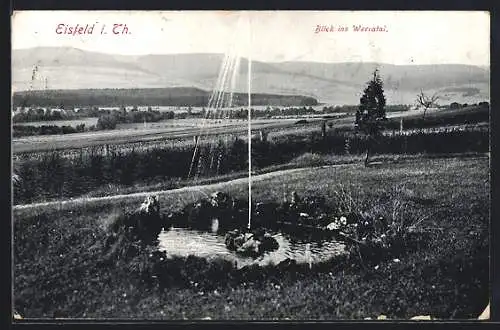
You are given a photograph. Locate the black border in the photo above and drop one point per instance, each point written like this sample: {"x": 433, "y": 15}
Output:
{"x": 253, "y": 5}
{"x": 494, "y": 179}
{"x": 5, "y": 196}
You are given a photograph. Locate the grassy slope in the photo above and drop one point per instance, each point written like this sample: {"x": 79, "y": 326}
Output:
{"x": 171, "y": 190}
{"x": 449, "y": 278}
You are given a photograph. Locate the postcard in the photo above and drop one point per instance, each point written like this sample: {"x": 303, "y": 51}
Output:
{"x": 250, "y": 165}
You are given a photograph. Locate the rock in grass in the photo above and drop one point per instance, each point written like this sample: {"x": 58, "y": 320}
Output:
{"x": 220, "y": 199}
{"x": 145, "y": 223}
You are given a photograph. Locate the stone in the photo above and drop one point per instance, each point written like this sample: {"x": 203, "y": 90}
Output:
{"x": 220, "y": 199}
{"x": 250, "y": 244}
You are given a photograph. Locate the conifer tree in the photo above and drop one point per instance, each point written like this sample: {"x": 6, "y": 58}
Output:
{"x": 371, "y": 111}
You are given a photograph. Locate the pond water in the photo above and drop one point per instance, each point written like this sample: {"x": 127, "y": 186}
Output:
{"x": 184, "y": 242}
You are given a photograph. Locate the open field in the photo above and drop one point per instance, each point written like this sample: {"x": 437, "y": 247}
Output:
{"x": 188, "y": 128}
{"x": 122, "y": 136}
{"x": 446, "y": 278}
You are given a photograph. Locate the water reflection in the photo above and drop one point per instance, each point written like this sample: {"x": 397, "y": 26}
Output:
{"x": 184, "y": 242}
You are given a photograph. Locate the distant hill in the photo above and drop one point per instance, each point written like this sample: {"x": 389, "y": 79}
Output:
{"x": 334, "y": 83}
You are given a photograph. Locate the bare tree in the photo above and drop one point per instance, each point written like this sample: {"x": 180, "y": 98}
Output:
{"x": 426, "y": 101}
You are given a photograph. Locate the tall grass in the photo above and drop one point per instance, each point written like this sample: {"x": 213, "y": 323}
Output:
{"x": 49, "y": 175}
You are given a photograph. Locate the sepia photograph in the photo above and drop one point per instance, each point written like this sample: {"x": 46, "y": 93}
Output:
{"x": 250, "y": 165}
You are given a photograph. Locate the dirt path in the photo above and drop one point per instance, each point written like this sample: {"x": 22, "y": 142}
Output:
{"x": 212, "y": 186}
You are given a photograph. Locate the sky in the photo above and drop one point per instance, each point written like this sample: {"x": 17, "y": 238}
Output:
{"x": 411, "y": 37}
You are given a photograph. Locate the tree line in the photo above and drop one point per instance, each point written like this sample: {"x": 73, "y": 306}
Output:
{"x": 27, "y": 130}
{"x": 178, "y": 96}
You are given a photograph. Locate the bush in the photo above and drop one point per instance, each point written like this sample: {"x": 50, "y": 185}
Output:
{"x": 384, "y": 230}
{"x": 68, "y": 130}
{"x": 107, "y": 121}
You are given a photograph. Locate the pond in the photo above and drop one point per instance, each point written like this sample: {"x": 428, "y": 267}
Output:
{"x": 184, "y": 242}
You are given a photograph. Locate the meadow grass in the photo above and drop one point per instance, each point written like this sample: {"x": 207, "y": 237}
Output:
{"x": 53, "y": 176}
{"x": 60, "y": 270}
